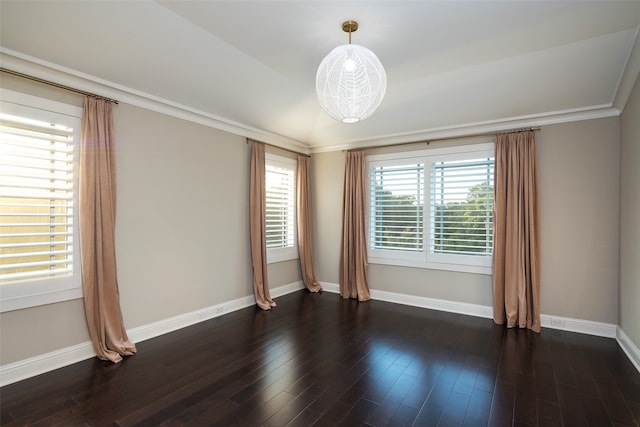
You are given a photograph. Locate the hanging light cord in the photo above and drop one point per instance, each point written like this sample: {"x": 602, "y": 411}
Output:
{"x": 349, "y": 27}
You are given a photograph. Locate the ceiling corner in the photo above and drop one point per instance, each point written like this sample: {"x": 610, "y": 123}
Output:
{"x": 629, "y": 74}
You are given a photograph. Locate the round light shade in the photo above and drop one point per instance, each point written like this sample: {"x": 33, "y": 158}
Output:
{"x": 351, "y": 83}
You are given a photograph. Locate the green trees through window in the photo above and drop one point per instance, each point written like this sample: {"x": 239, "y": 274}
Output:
{"x": 460, "y": 207}
{"x": 467, "y": 226}
{"x": 398, "y": 222}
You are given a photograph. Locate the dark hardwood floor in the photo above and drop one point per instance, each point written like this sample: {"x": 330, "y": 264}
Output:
{"x": 320, "y": 360}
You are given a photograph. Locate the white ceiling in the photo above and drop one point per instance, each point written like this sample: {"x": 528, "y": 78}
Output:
{"x": 452, "y": 66}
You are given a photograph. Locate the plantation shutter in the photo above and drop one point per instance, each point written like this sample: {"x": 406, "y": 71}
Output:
{"x": 280, "y": 206}
{"x": 397, "y": 207}
{"x": 462, "y": 207}
{"x": 36, "y": 199}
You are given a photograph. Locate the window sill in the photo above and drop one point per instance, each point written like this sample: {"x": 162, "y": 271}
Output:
{"x": 34, "y": 300}
{"x": 462, "y": 268}
{"x": 280, "y": 255}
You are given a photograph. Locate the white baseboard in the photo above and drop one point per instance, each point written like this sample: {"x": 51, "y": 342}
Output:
{"x": 547, "y": 321}
{"x": 630, "y": 349}
{"x": 37, "y": 365}
{"x": 27, "y": 368}
{"x": 330, "y": 287}
{"x": 286, "y": 289}
{"x": 171, "y": 324}
{"x": 581, "y": 326}
{"x": 423, "y": 302}
{"x": 435, "y": 304}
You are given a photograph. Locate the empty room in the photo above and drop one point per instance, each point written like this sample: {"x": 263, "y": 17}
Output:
{"x": 318, "y": 213}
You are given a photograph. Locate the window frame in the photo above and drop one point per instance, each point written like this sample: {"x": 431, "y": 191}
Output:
{"x": 289, "y": 252}
{"x": 17, "y": 295}
{"x": 410, "y": 257}
{"x": 426, "y": 258}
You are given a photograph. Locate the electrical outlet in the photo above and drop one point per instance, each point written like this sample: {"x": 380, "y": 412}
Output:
{"x": 219, "y": 309}
{"x": 560, "y": 323}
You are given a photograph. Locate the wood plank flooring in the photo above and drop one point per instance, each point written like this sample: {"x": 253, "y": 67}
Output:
{"x": 318, "y": 360}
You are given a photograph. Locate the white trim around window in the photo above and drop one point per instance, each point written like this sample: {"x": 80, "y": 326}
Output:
{"x": 402, "y": 207}
{"x": 281, "y": 227}
{"x": 18, "y": 289}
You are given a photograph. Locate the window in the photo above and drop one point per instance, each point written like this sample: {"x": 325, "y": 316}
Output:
{"x": 433, "y": 208}
{"x": 397, "y": 207}
{"x": 280, "y": 179}
{"x": 39, "y": 253}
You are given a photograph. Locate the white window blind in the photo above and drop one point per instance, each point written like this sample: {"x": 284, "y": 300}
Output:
{"x": 397, "y": 207}
{"x": 36, "y": 199}
{"x": 280, "y": 204}
{"x": 462, "y": 207}
{"x": 432, "y": 208}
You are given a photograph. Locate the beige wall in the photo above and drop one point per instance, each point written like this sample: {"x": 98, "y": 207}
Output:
{"x": 578, "y": 177}
{"x": 182, "y": 229}
{"x": 578, "y": 165}
{"x": 181, "y": 220}
{"x": 629, "y": 215}
{"x": 38, "y": 330}
{"x": 31, "y": 332}
{"x": 326, "y": 175}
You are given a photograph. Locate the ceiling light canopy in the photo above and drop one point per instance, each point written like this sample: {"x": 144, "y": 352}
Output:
{"x": 350, "y": 81}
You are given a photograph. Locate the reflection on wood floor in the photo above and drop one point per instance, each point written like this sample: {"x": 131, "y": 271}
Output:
{"x": 319, "y": 360}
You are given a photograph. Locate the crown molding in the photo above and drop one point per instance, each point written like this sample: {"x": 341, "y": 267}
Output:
{"x": 629, "y": 74}
{"x": 479, "y": 128}
{"x": 49, "y": 71}
{"x": 36, "y": 67}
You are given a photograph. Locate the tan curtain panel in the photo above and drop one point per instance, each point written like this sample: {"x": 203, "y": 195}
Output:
{"x": 97, "y": 195}
{"x": 257, "y": 214}
{"x": 516, "y": 254}
{"x": 305, "y": 240}
{"x": 353, "y": 249}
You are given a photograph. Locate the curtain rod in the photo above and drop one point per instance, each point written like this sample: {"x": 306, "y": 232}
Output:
{"x": 281, "y": 148}
{"x": 428, "y": 141}
{"x": 58, "y": 85}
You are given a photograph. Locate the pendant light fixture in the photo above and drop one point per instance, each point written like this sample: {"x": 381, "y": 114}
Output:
{"x": 350, "y": 81}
